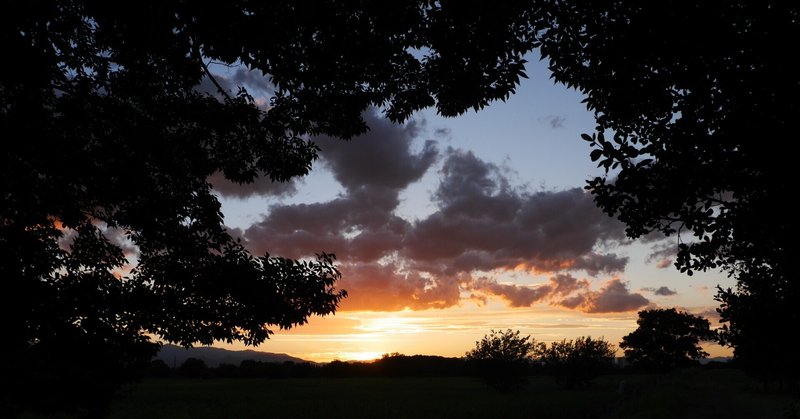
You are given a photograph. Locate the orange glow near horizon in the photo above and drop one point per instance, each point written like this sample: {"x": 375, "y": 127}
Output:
{"x": 360, "y": 356}
{"x": 366, "y": 335}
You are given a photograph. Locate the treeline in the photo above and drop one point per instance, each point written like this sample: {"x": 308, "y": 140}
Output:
{"x": 390, "y": 365}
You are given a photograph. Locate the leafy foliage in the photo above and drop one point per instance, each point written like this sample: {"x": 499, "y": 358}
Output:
{"x": 576, "y": 362}
{"x": 110, "y": 143}
{"x": 685, "y": 115}
{"x": 667, "y": 338}
{"x": 502, "y": 358}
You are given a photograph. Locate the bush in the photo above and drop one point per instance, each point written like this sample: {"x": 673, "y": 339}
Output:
{"x": 193, "y": 368}
{"x": 502, "y": 359}
{"x": 576, "y": 363}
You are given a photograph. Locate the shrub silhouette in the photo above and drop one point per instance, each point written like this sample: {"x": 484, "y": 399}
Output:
{"x": 502, "y": 359}
{"x": 575, "y": 363}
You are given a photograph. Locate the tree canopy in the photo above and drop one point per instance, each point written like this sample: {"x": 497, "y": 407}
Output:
{"x": 110, "y": 144}
{"x": 502, "y": 358}
{"x": 575, "y": 363}
{"x": 692, "y": 100}
{"x": 667, "y": 338}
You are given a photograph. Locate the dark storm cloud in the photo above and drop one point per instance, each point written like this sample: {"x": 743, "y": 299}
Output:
{"x": 482, "y": 224}
{"x": 662, "y": 291}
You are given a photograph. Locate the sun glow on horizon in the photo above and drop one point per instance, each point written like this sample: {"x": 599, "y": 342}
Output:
{"x": 359, "y": 356}
{"x": 367, "y": 335}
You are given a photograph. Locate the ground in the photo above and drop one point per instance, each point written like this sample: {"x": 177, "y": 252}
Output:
{"x": 698, "y": 393}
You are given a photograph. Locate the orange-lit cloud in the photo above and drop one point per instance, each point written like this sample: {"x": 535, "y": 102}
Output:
{"x": 376, "y": 287}
{"x": 662, "y": 253}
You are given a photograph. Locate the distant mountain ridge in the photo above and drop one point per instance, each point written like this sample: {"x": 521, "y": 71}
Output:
{"x": 175, "y": 355}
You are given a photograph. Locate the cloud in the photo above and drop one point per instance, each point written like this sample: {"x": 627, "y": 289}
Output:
{"x": 664, "y": 263}
{"x": 359, "y": 225}
{"x": 594, "y": 263}
{"x": 662, "y": 253}
{"x": 709, "y": 313}
{"x": 260, "y": 186}
{"x": 522, "y": 296}
{"x": 207, "y": 86}
{"x": 376, "y": 287}
{"x": 555, "y": 121}
{"x": 567, "y": 291}
{"x": 663, "y": 291}
{"x": 613, "y": 297}
{"x": 515, "y": 295}
{"x": 381, "y": 159}
{"x": 254, "y": 81}
{"x": 482, "y": 224}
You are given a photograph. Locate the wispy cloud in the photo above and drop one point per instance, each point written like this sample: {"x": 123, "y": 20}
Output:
{"x": 662, "y": 291}
{"x": 554, "y": 121}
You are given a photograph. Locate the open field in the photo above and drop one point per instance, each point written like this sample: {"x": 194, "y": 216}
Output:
{"x": 685, "y": 394}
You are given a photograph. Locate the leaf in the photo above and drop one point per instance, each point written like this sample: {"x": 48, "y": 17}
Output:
{"x": 596, "y": 154}
{"x": 587, "y": 137}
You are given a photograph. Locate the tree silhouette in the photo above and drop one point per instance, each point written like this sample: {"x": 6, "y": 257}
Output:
{"x": 502, "y": 359}
{"x": 158, "y": 369}
{"x": 667, "y": 338}
{"x": 575, "y": 363}
{"x": 690, "y": 100}
{"x": 109, "y": 142}
{"x": 193, "y": 368}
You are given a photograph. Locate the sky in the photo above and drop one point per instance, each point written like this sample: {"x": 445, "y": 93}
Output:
{"x": 447, "y": 228}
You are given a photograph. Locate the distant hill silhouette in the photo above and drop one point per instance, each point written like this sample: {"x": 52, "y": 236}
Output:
{"x": 175, "y": 355}
{"x": 715, "y": 359}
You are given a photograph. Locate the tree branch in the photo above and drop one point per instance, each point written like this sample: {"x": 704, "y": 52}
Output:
{"x": 199, "y": 57}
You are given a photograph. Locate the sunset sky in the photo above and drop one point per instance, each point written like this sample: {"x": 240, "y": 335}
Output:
{"x": 446, "y": 228}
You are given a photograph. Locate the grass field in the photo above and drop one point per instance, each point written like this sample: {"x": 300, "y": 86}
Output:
{"x": 685, "y": 394}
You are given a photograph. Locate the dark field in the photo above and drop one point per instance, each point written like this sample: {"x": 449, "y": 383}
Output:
{"x": 685, "y": 394}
